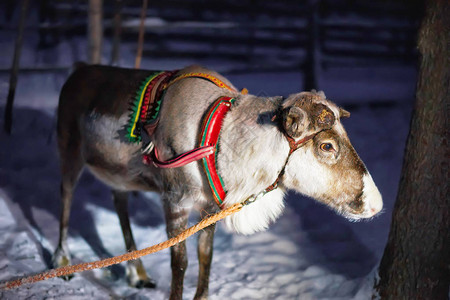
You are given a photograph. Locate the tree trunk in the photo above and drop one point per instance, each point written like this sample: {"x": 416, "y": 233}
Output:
{"x": 311, "y": 64}
{"x": 141, "y": 34}
{"x": 117, "y": 32}
{"x": 15, "y": 67}
{"x": 415, "y": 264}
{"x": 95, "y": 31}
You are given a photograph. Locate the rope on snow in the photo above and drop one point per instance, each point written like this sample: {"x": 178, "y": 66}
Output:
{"x": 67, "y": 270}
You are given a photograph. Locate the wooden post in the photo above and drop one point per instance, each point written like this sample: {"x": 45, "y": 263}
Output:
{"x": 141, "y": 34}
{"x": 117, "y": 32}
{"x": 95, "y": 31}
{"x": 15, "y": 67}
{"x": 311, "y": 65}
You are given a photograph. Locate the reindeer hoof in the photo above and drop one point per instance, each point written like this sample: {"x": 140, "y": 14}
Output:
{"x": 67, "y": 277}
{"x": 137, "y": 277}
{"x": 61, "y": 260}
{"x": 145, "y": 284}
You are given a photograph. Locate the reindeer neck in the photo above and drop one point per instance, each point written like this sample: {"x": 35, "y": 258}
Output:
{"x": 252, "y": 154}
{"x": 252, "y": 148}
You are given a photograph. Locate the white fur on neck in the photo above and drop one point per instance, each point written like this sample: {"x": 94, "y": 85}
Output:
{"x": 258, "y": 215}
{"x": 253, "y": 162}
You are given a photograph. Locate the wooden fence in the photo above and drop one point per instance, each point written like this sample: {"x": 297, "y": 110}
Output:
{"x": 281, "y": 35}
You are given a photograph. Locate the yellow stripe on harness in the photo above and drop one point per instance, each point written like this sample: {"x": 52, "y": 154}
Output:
{"x": 206, "y": 76}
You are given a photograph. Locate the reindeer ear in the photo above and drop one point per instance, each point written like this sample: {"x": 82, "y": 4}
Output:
{"x": 343, "y": 113}
{"x": 295, "y": 121}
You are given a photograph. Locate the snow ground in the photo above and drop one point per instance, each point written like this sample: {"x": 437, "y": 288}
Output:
{"x": 309, "y": 253}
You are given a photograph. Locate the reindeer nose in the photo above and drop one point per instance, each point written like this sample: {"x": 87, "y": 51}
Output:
{"x": 372, "y": 196}
{"x": 374, "y": 211}
{"x": 377, "y": 207}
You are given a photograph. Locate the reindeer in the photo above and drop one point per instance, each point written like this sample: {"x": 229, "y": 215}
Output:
{"x": 267, "y": 146}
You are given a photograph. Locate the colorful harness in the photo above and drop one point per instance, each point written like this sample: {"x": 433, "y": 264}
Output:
{"x": 207, "y": 150}
{"x": 146, "y": 105}
{"x": 145, "y": 114}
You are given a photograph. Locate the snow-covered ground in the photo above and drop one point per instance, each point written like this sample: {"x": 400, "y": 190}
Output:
{"x": 309, "y": 253}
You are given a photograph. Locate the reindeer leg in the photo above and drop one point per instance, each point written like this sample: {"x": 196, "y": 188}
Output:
{"x": 205, "y": 251}
{"x": 71, "y": 166}
{"x": 176, "y": 220}
{"x": 137, "y": 276}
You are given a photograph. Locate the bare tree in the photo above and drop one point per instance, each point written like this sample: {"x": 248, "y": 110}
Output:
{"x": 415, "y": 264}
{"x": 95, "y": 31}
{"x": 15, "y": 67}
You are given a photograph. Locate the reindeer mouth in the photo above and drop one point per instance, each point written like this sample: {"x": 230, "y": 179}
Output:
{"x": 357, "y": 205}
{"x": 357, "y": 210}
{"x": 365, "y": 215}
{"x": 367, "y": 204}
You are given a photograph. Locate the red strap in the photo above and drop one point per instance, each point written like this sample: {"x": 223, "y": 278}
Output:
{"x": 212, "y": 124}
{"x": 293, "y": 145}
{"x": 180, "y": 160}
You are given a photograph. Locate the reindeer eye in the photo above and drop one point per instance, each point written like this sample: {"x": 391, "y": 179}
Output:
{"x": 327, "y": 147}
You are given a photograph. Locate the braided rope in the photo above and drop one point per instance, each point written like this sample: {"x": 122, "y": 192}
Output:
{"x": 124, "y": 257}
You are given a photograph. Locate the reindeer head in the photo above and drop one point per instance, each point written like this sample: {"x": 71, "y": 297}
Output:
{"x": 327, "y": 167}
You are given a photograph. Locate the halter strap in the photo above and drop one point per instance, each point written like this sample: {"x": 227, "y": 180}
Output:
{"x": 293, "y": 145}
